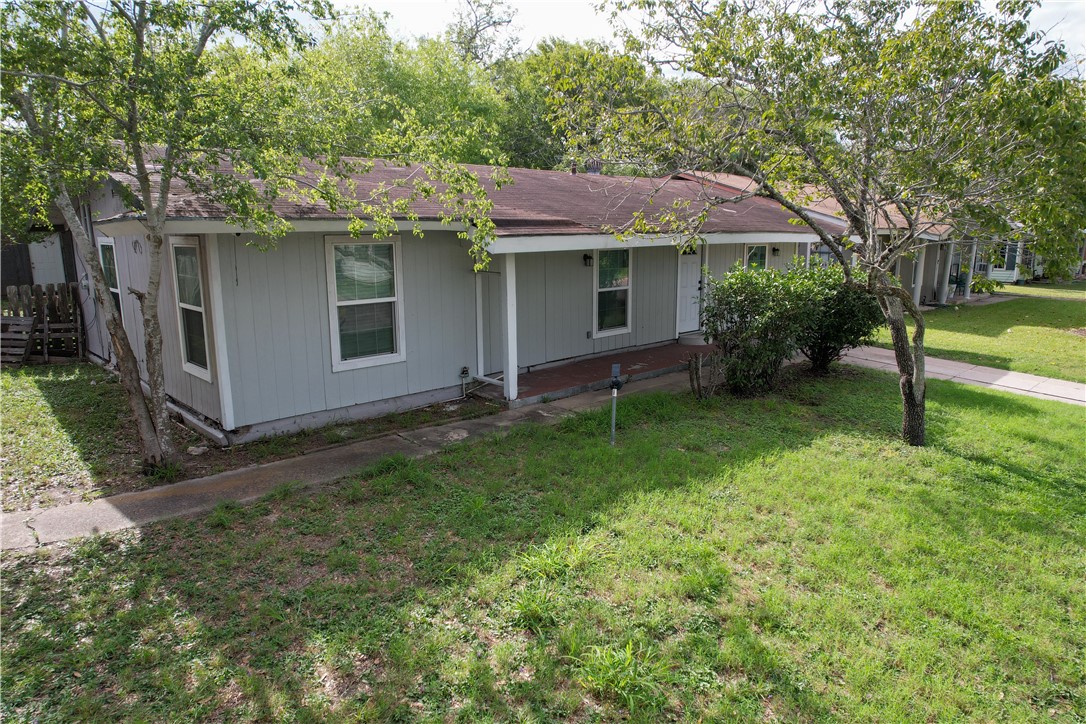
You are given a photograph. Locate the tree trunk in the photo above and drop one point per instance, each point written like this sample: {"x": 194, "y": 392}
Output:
{"x": 910, "y": 364}
{"x": 127, "y": 365}
{"x": 152, "y": 328}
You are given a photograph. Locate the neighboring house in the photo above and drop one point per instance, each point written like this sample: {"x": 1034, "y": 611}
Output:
{"x": 49, "y": 261}
{"x": 325, "y": 326}
{"x": 930, "y": 274}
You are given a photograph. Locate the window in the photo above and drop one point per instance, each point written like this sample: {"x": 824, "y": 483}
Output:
{"x": 107, "y": 254}
{"x": 821, "y": 255}
{"x": 612, "y": 292}
{"x": 756, "y": 256}
{"x": 191, "y": 319}
{"x": 365, "y": 301}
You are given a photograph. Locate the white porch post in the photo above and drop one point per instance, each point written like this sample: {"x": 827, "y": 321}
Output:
{"x": 944, "y": 273}
{"x": 969, "y": 273}
{"x": 918, "y": 274}
{"x": 1018, "y": 259}
{"x": 479, "y": 343}
{"x": 509, "y": 323}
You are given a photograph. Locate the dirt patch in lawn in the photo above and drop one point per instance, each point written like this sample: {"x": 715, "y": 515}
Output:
{"x": 1081, "y": 331}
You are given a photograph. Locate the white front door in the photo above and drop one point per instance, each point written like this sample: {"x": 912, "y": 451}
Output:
{"x": 689, "y": 312}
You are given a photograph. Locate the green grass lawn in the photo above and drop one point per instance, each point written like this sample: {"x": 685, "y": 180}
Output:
{"x": 64, "y": 433}
{"x": 1023, "y": 335}
{"x": 742, "y": 559}
{"x": 68, "y": 436}
{"x": 1065, "y": 290}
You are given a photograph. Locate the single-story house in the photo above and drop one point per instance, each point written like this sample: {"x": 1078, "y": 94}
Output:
{"x": 930, "y": 275}
{"x": 324, "y": 326}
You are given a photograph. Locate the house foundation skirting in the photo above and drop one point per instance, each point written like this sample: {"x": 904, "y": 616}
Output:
{"x": 350, "y": 413}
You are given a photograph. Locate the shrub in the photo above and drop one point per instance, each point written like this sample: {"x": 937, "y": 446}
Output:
{"x": 838, "y": 317}
{"x": 754, "y": 318}
{"x": 984, "y": 285}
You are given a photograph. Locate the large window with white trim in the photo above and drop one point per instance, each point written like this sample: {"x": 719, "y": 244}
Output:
{"x": 365, "y": 301}
{"x": 612, "y": 292}
{"x": 107, "y": 254}
{"x": 191, "y": 317}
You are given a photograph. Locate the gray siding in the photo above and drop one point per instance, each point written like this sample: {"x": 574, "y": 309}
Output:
{"x": 554, "y": 306}
{"x": 276, "y": 312}
{"x": 132, "y": 268}
{"x": 722, "y": 257}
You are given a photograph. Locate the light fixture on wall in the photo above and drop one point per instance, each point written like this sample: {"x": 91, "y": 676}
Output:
{"x": 587, "y": 260}
{"x": 776, "y": 251}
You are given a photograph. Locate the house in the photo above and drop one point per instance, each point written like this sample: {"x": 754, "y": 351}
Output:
{"x": 325, "y": 327}
{"x": 930, "y": 275}
{"x": 48, "y": 261}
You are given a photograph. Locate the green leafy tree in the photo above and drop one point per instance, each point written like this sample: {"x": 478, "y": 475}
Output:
{"x": 906, "y": 114}
{"x": 139, "y": 90}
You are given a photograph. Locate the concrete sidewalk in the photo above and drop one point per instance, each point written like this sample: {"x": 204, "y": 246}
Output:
{"x": 28, "y": 529}
{"x": 969, "y": 374}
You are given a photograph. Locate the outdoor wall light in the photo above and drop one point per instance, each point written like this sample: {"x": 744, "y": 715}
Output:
{"x": 776, "y": 251}
{"x": 587, "y": 260}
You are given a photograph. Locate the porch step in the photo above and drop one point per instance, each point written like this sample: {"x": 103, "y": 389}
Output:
{"x": 692, "y": 338}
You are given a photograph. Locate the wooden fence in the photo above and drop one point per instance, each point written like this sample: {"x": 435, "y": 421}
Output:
{"x": 58, "y": 327}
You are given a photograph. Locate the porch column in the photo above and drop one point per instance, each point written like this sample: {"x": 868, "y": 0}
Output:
{"x": 969, "y": 273}
{"x": 509, "y": 323}
{"x": 944, "y": 273}
{"x": 918, "y": 274}
{"x": 479, "y": 346}
{"x": 1018, "y": 259}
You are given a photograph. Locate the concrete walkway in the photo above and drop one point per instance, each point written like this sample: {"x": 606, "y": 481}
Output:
{"x": 28, "y": 529}
{"x": 969, "y": 374}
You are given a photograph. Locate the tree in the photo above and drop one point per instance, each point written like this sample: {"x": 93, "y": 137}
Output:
{"x": 907, "y": 114}
{"x": 477, "y": 33}
{"x": 129, "y": 90}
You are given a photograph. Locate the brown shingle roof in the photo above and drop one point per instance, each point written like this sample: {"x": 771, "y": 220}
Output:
{"x": 537, "y": 203}
{"x": 817, "y": 200}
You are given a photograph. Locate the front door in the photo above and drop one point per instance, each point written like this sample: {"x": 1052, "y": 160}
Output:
{"x": 689, "y": 314}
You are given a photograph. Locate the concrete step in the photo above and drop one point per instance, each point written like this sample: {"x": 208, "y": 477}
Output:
{"x": 692, "y": 338}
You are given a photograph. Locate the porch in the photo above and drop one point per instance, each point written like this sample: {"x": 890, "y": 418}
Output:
{"x": 560, "y": 380}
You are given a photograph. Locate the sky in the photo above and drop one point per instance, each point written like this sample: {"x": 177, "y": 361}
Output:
{"x": 578, "y": 19}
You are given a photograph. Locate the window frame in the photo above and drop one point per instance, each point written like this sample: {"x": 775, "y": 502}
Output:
{"x": 109, "y": 241}
{"x": 597, "y": 333}
{"x": 191, "y": 242}
{"x": 746, "y": 255}
{"x": 400, "y": 354}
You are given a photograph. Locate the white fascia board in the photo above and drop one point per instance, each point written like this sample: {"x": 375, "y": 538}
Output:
{"x": 589, "y": 242}
{"x": 135, "y": 227}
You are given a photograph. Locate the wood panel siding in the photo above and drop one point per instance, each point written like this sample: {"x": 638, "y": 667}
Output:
{"x": 554, "y": 306}
{"x": 276, "y": 310}
{"x": 132, "y": 267}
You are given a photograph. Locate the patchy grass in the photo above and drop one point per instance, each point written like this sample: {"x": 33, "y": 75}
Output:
{"x": 1044, "y": 337}
{"x": 65, "y": 434}
{"x": 68, "y": 436}
{"x": 1075, "y": 291}
{"x": 742, "y": 559}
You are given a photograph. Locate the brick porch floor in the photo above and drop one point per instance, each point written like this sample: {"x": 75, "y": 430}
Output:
{"x": 579, "y": 376}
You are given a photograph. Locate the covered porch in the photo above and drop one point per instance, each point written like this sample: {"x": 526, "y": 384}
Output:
{"x": 565, "y": 379}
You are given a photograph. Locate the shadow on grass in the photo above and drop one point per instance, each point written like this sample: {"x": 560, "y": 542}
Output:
{"x": 449, "y": 588}
{"x": 80, "y": 431}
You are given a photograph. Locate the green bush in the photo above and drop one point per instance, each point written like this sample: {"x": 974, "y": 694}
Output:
{"x": 754, "y": 318}
{"x": 838, "y": 318}
{"x": 984, "y": 285}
